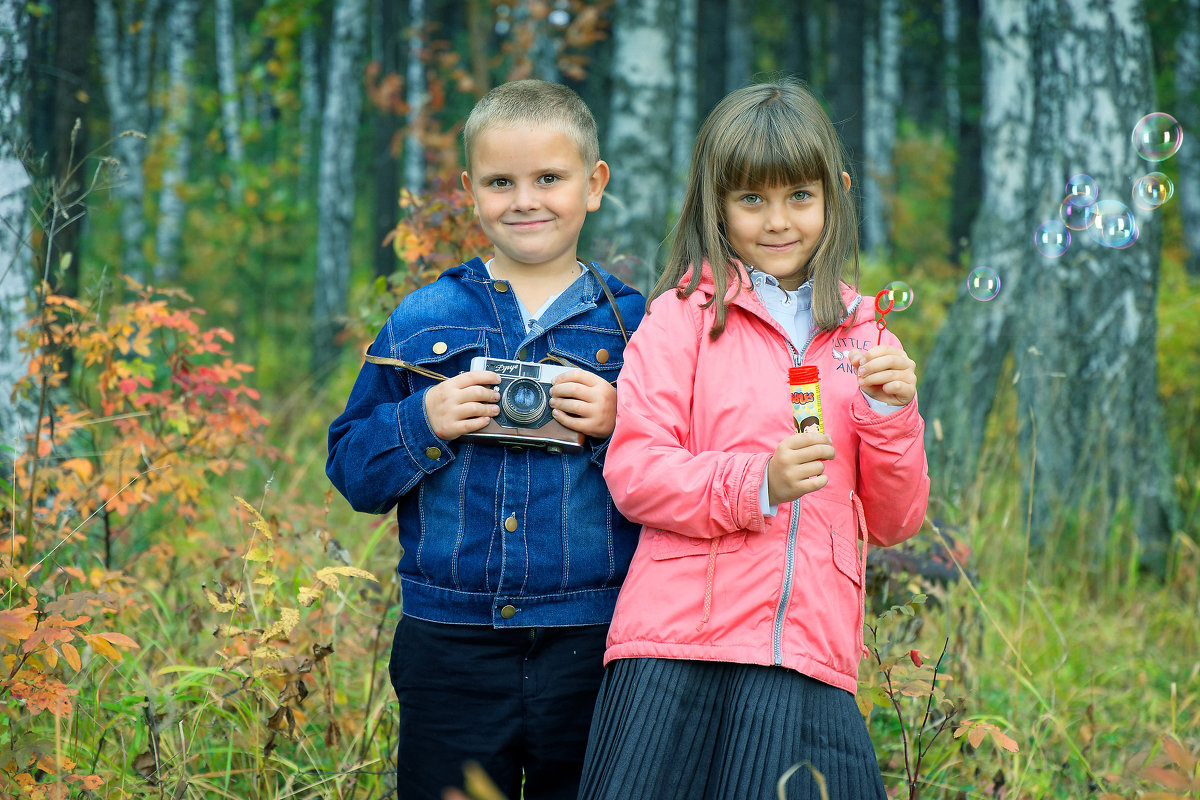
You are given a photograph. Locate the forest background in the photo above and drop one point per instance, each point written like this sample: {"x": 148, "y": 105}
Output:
{"x": 207, "y": 209}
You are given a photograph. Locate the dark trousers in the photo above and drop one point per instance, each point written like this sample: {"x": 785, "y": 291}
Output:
{"x": 518, "y": 701}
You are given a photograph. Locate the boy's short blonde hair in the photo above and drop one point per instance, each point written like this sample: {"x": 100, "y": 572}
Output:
{"x": 538, "y": 103}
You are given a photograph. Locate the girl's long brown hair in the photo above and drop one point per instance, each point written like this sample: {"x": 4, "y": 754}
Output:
{"x": 768, "y": 134}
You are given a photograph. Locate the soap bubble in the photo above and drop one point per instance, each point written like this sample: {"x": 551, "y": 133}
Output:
{"x": 1115, "y": 225}
{"x": 1157, "y": 136}
{"x": 1052, "y": 238}
{"x": 899, "y": 292}
{"x": 1075, "y": 217}
{"x": 983, "y": 283}
{"x": 1082, "y": 190}
{"x": 1152, "y": 190}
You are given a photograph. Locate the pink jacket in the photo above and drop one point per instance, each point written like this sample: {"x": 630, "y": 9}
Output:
{"x": 697, "y": 420}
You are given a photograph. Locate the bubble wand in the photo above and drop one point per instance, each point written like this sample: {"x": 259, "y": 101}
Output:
{"x": 881, "y": 323}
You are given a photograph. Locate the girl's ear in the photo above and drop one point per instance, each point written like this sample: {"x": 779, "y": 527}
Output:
{"x": 846, "y": 180}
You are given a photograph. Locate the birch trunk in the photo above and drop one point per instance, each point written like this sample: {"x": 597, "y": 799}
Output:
{"x": 951, "y": 98}
{"x": 16, "y": 262}
{"x": 310, "y": 105}
{"x": 126, "y": 45}
{"x": 181, "y": 32}
{"x": 1187, "y": 94}
{"x": 739, "y": 49}
{"x": 1081, "y": 328}
{"x": 684, "y": 124}
{"x": 227, "y": 84}
{"x": 414, "y": 87}
{"x": 336, "y": 191}
{"x": 881, "y": 71}
{"x": 634, "y": 214}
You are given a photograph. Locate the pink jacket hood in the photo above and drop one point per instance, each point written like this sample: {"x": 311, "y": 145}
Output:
{"x": 697, "y": 421}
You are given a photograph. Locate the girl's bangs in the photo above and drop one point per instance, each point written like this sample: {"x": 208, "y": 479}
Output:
{"x": 770, "y": 152}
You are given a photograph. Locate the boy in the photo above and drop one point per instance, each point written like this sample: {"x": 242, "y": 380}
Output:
{"x": 512, "y": 553}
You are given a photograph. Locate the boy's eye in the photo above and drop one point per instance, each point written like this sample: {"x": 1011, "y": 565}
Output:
{"x": 500, "y": 183}
{"x": 546, "y": 180}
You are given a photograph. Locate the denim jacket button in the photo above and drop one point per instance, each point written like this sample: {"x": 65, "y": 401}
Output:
{"x": 433, "y": 453}
{"x": 602, "y": 356}
{"x": 501, "y": 286}
{"x": 439, "y": 348}
{"x": 510, "y": 524}
{"x": 508, "y": 612}
{"x": 522, "y": 354}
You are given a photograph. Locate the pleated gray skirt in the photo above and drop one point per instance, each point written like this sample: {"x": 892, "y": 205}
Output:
{"x": 687, "y": 730}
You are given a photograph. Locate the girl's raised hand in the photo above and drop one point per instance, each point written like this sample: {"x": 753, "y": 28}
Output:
{"x": 886, "y": 374}
{"x": 798, "y": 466}
{"x": 585, "y": 403}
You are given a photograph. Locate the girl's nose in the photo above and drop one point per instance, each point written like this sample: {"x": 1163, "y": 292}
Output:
{"x": 777, "y": 219}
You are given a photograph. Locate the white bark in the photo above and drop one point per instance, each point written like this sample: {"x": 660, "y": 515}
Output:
{"x": 125, "y": 42}
{"x": 336, "y": 191}
{"x": 683, "y": 128}
{"x": 1187, "y": 93}
{"x": 15, "y": 254}
{"x": 227, "y": 72}
{"x": 739, "y": 48}
{"x": 414, "y": 89}
{"x": 310, "y": 102}
{"x": 953, "y": 101}
{"x": 181, "y": 33}
{"x": 634, "y": 213}
{"x": 881, "y": 95}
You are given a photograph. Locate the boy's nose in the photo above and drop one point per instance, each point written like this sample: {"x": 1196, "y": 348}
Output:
{"x": 525, "y": 197}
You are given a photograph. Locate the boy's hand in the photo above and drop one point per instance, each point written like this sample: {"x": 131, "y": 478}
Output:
{"x": 462, "y": 404}
{"x": 585, "y": 403}
{"x": 797, "y": 467}
{"x": 885, "y": 373}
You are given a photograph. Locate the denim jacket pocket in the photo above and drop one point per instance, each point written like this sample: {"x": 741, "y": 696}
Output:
{"x": 447, "y": 351}
{"x": 595, "y": 349}
{"x": 668, "y": 544}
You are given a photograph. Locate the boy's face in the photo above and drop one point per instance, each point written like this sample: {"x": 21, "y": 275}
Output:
{"x": 532, "y": 191}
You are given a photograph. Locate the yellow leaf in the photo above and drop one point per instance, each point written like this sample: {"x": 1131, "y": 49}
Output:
{"x": 308, "y": 595}
{"x": 82, "y": 467}
{"x": 119, "y": 639}
{"x": 289, "y": 618}
{"x": 328, "y": 575}
{"x": 103, "y": 648}
{"x": 72, "y": 656}
{"x": 258, "y": 553}
{"x": 50, "y": 655}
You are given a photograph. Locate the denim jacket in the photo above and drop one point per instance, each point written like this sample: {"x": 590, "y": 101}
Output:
{"x": 491, "y": 534}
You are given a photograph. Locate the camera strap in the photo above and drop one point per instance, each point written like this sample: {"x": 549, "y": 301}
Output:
{"x": 395, "y": 362}
{"x": 612, "y": 300}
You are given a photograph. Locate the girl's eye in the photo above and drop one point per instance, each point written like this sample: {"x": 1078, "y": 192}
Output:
{"x": 751, "y": 199}
{"x": 801, "y": 196}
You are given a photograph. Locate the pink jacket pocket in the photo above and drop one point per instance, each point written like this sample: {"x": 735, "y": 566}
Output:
{"x": 668, "y": 544}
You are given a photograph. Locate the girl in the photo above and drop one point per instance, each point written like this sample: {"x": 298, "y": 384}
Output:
{"x": 734, "y": 651}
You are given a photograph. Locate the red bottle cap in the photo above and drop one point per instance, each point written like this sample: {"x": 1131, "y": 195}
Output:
{"x": 801, "y": 375}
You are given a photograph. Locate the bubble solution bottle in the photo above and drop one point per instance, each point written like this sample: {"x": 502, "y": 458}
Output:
{"x": 806, "y": 397}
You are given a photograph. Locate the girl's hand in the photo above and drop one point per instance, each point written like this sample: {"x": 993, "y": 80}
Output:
{"x": 462, "y": 404}
{"x": 797, "y": 467}
{"x": 886, "y": 374}
{"x": 585, "y": 403}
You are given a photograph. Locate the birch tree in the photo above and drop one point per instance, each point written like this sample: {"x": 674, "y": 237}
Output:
{"x": 1080, "y": 328}
{"x": 15, "y": 254}
{"x": 634, "y": 214}
{"x": 684, "y": 124}
{"x": 335, "y": 189}
{"x": 227, "y": 83}
{"x": 125, "y": 39}
{"x": 1187, "y": 93}
{"x": 181, "y": 46}
{"x": 881, "y": 95}
{"x": 414, "y": 87}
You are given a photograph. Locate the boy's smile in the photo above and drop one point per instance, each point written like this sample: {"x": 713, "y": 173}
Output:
{"x": 532, "y": 191}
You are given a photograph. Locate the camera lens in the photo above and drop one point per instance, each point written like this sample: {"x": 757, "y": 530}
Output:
{"x": 523, "y": 400}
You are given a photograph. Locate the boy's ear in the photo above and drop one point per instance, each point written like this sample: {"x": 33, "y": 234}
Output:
{"x": 596, "y": 183}
{"x": 845, "y": 180}
{"x": 466, "y": 180}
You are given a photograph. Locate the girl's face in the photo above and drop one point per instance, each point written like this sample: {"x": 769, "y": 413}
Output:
{"x": 776, "y": 229}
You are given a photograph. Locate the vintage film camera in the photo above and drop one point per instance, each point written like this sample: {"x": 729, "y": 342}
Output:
{"x": 525, "y": 417}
